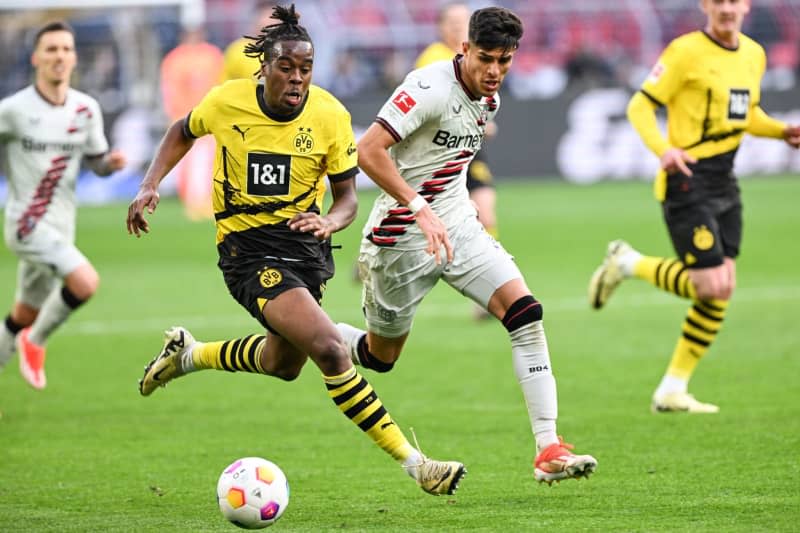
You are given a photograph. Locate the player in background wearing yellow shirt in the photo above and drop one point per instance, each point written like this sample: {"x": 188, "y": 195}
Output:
{"x": 276, "y": 140}
{"x": 237, "y": 64}
{"x": 709, "y": 81}
{"x": 453, "y": 26}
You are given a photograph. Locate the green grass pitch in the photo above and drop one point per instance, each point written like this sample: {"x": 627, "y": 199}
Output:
{"x": 89, "y": 454}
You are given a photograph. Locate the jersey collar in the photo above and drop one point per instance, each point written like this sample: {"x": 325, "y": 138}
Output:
{"x": 274, "y": 116}
{"x": 50, "y": 102}
{"x": 729, "y": 48}
{"x": 457, "y": 69}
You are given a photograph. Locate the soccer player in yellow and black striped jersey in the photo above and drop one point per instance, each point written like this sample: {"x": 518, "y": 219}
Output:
{"x": 709, "y": 82}
{"x": 238, "y": 65}
{"x": 276, "y": 140}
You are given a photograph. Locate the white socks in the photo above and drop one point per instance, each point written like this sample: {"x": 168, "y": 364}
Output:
{"x": 351, "y": 337}
{"x": 53, "y": 313}
{"x": 7, "y": 345}
{"x": 412, "y": 462}
{"x": 627, "y": 262}
{"x": 532, "y": 365}
{"x": 187, "y": 363}
{"x": 671, "y": 384}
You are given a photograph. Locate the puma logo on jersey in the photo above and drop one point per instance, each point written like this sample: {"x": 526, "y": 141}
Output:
{"x": 239, "y": 130}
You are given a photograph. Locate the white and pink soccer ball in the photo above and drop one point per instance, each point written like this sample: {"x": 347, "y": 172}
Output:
{"x": 252, "y": 493}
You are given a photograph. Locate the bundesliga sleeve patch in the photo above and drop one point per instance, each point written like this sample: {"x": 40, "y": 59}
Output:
{"x": 656, "y": 72}
{"x": 404, "y": 102}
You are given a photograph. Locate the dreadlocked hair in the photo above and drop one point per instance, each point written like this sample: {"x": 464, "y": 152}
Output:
{"x": 287, "y": 29}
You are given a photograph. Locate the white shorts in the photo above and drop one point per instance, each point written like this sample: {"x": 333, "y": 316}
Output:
{"x": 45, "y": 258}
{"x": 396, "y": 281}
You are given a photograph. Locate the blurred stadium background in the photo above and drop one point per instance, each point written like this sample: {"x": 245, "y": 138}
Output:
{"x": 88, "y": 454}
{"x": 564, "y": 100}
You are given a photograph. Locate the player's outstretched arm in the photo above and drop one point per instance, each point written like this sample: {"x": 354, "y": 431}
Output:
{"x": 792, "y": 136}
{"x": 341, "y": 213}
{"x": 173, "y": 147}
{"x": 763, "y": 125}
{"x": 106, "y": 164}
{"x": 374, "y": 160}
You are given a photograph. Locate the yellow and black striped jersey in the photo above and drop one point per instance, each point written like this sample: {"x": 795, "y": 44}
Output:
{"x": 268, "y": 167}
{"x": 435, "y": 52}
{"x": 236, "y": 64}
{"x": 711, "y": 92}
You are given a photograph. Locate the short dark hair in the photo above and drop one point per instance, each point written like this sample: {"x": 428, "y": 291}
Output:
{"x": 495, "y": 27}
{"x": 58, "y": 25}
{"x": 287, "y": 29}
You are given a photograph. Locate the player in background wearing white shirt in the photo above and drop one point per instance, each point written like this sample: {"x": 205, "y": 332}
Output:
{"x": 424, "y": 228}
{"x": 46, "y": 129}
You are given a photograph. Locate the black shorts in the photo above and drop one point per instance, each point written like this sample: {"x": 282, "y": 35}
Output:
{"x": 478, "y": 173}
{"x": 253, "y": 279}
{"x": 704, "y": 215}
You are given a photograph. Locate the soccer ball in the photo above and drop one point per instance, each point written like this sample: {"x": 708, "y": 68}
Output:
{"x": 252, "y": 493}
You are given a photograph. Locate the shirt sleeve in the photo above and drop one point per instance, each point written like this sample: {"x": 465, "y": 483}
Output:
{"x": 642, "y": 116}
{"x": 342, "y": 157}
{"x": 411, "y": 105}
{"x": 6, "y": 122}
{"x": 96, "y": 142}
{"x": 199, "y": 120}
{"x": 666, "y": 76}
{"x": 763, "y": 125}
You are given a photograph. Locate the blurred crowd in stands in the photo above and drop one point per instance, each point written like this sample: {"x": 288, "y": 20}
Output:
{"x": 367, "y": 46}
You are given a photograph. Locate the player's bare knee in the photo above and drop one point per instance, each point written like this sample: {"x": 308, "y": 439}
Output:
{"x": 72, "y": 300}
{"x": 289, "y": 374}
{"x": 380, "y": 358}
{"x": 381, "y": 364}
{"x": 23, "y": 314}
{"x": 727, "y": 290}
{"x": 83, "y": 282}
{"x": 283, "y": 372}
{"x": 525, "y": 310}
{"x": 714, "y": 291}
{"x": 328, "y": 352}
{"x": 280, "y": 364}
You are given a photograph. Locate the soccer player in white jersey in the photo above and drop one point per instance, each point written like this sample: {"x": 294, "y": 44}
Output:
{"x": 46, "y": 129}
{"x": 424, "y": 228}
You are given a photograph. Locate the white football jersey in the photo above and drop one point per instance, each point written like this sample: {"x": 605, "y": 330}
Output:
{"x": 44, "y": 147}
{"x": 439, "y": 126}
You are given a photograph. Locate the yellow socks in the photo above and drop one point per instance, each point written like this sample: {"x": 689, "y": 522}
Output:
{"x": 700, "y": 328}
{"x": 702, "y": 323}
{"x": 357, "y": 400}
{"x": 669, "y": 275}
{"x": 237, "y": 355}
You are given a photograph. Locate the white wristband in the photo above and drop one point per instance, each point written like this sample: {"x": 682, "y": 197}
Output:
{"x": 417, "y": 203}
